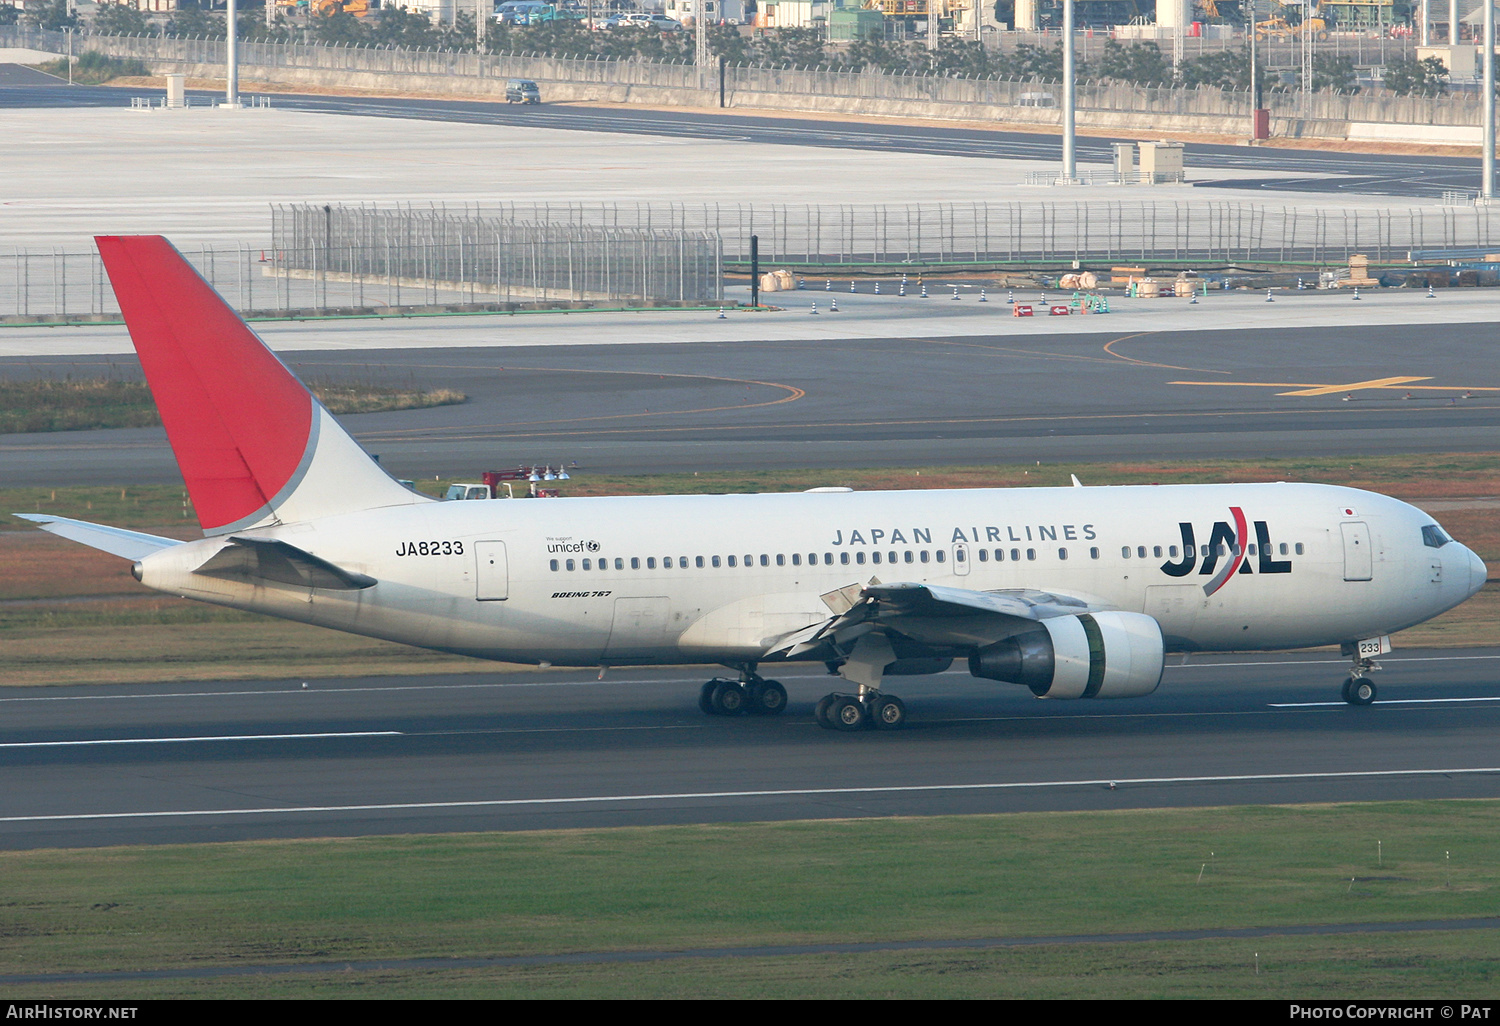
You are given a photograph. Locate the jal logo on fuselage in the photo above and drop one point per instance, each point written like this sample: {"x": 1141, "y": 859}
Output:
{"x": 1226, "y": 542}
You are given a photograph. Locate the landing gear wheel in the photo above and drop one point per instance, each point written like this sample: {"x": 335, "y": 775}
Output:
{"x": 890, "y": 713}
{"x": 823, "y": 711}
{"x": 728, "y": 698}
{"x": 706, "y": 698}
{"x": 767, "y": 698}
{"x": 1359, "y": 691}
{"x": 848, "y": 714}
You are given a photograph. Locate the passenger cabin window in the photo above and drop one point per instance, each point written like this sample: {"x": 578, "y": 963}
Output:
{"x": 1125, "y": 551}
{"x": 1093, "y": 553}
{"x": 1031, "y": 553}
{"x": 1299, "y": 548}
{"x": 554, "y": 564}
{"x": 1062, "y": 553}
{"x": 569, "y": 565}
{"x": 1434, "y": 537}
{"x": 940, "y": 555}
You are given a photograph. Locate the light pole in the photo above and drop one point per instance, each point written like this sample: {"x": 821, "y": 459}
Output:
{"x": 231, "y": 49}
{"x": 1487, "y": 163}
{"x": 1070, "y": 163}
{"x": 1259, "y": 122}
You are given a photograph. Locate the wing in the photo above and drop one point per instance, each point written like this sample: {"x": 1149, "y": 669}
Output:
{"x": 929, "y": 615}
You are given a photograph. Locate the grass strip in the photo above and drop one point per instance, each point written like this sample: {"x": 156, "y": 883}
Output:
{"x": 665, "y": 888}
{"x": 91, "y": 403}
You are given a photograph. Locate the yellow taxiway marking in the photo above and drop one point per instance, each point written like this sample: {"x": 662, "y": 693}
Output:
{"x": 1305, "y": 388}
{"x": 1354, "y": 386}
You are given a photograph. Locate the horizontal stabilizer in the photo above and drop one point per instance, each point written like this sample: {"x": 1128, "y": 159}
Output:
{"x": 114, "y": 540}
{"x": 280, "y": 563}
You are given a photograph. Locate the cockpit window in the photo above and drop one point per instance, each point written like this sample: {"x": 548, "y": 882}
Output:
{"x": 1434, "y": 537}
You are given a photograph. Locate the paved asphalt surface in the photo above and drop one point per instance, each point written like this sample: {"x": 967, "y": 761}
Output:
{"x": 865, "y": 403}
{"x": 1383, "y": 174}
{"x": 221, "y": 761}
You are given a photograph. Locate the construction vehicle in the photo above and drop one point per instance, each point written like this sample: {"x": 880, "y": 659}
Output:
{"x": 328, "y": 8}
{"x": 1308, "y": 20}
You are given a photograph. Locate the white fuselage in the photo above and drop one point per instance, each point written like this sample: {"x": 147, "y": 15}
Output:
{"x": 679, "y": 579}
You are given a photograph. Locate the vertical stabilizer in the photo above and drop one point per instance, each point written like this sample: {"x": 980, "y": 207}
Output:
{"x": 255, "y": 447}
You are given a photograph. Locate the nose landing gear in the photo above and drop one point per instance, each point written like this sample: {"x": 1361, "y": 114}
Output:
{"x": 1359, "y": 689}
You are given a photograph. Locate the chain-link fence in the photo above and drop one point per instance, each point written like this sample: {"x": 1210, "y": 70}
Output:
{"x": 1020, "y": 233}
{"x": 396, "y": 262}
{"x": 329, "y": 259}
{"x": 498, "y": 258}
{"x": 71, "y": 283}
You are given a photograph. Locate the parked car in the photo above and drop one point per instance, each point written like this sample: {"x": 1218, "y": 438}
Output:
{"x": 660, "y": 22}
{"x": 522, "y": 90}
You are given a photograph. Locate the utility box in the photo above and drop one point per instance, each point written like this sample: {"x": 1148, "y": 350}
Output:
{"x": 1461, "y": 61}
{"x": 1161, "y": 162}
{"x": 1124, "y": 161}
{"x": 176, "y": 91}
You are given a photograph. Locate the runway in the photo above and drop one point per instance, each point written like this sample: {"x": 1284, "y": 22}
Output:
{"x": 904, "y": 401}
{"x": 84, "y": 767}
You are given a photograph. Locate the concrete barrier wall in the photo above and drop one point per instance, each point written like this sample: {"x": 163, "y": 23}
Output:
{"x": 1131, "y": 122}
{"x": 1121, "y": 107}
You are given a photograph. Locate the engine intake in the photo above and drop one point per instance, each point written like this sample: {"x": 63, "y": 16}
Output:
{"x": 1093, "y": 655}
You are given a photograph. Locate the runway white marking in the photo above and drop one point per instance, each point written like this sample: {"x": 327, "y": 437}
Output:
{"x": 812, "y": 792}
{"x": 1383, "y": 701}
{"x": 216, "y": 737}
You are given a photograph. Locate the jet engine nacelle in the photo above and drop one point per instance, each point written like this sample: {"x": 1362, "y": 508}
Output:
{"x": 1093, "y": 655}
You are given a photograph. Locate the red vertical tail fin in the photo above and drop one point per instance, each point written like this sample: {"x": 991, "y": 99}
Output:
{"x": 254, "y": 446}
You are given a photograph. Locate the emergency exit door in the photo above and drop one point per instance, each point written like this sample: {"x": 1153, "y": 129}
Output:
{"x": 491, "y": 571}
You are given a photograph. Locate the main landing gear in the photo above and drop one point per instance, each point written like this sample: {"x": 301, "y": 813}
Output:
{"x": 752, "y": 695}
{"x": 1359, "y": 689}
{"x": 869, "y": 709}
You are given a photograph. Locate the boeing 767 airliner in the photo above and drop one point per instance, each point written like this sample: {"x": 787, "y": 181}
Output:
{"x": 1070, "y": 592}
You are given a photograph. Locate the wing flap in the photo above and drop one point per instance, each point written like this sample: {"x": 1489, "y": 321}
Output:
{"x": 928, "y": 615}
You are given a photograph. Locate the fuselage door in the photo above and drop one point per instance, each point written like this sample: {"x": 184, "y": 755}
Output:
{"x": 492, "y": 571}
{"x": 961, "y": 556}
{"x": 639, "y": 627}
{"x": 1358, "y": 559}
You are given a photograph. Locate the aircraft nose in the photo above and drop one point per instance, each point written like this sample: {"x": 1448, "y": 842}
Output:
{"x": 1478, "y": 573}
